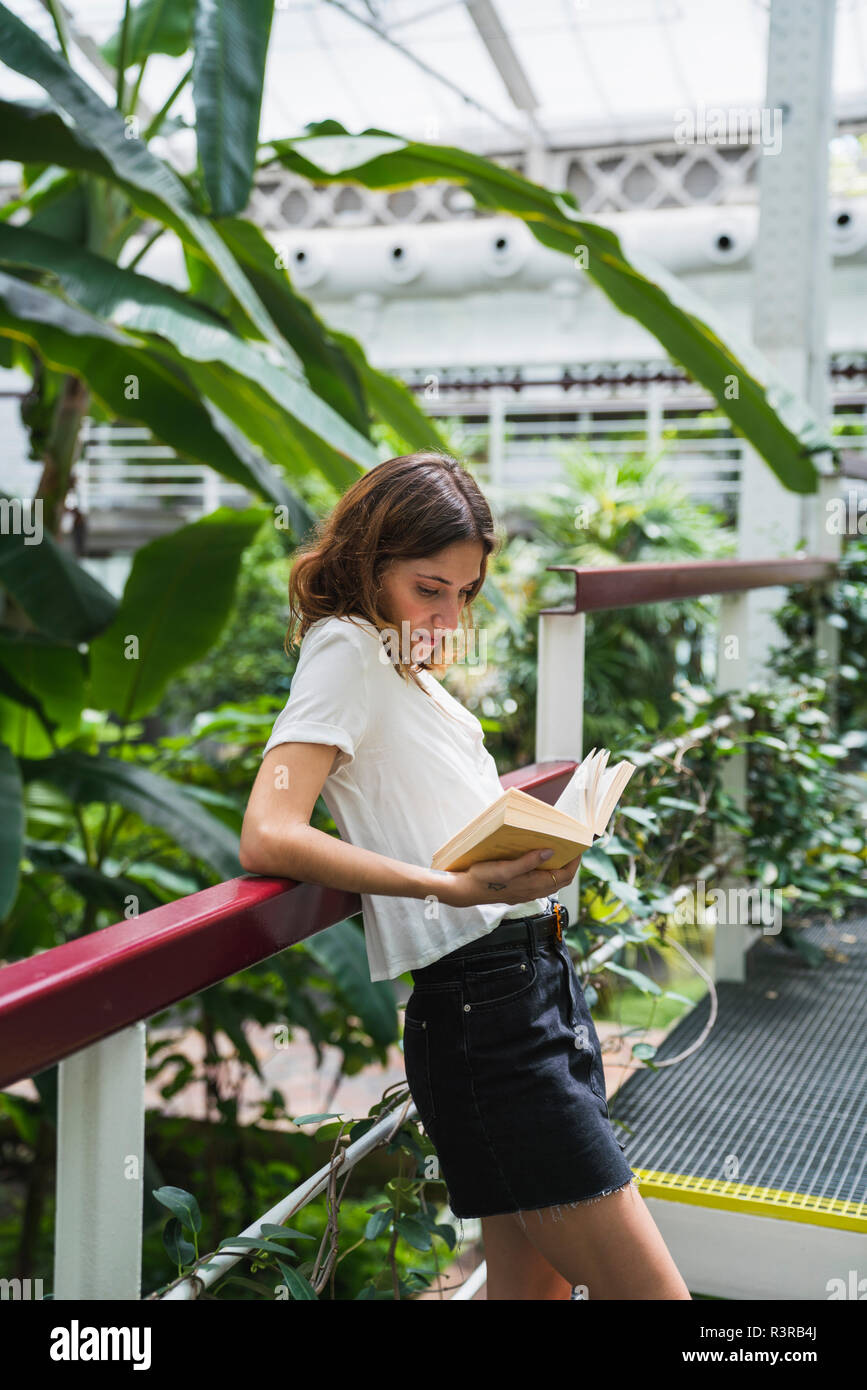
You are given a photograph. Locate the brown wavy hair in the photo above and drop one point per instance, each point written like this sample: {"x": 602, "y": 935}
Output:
{"x": 408, "y": 507}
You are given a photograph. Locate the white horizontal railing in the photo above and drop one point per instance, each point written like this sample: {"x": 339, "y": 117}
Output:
{"x": 188, "y": 1288}
{"x": 122, "y": 468}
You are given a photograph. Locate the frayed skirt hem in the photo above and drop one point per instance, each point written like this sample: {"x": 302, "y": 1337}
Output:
{"x": 552, "y": 1206}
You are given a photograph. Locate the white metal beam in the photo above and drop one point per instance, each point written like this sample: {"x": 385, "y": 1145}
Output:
{"x": 426, "y": 68}
{"x": 791, "y": 276}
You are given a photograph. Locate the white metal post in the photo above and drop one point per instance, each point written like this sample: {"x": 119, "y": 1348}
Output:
{"x": 791, "y": 274}
{"x": 560, "y": 703}
{"x": 210, "y": 482}
{"x": 790, "y": 295}
{"x": 100, "y": 1169}
{"x": 653, "y": 419}
{"x": 82, "y": 468}
{"x": 732, "y": 936}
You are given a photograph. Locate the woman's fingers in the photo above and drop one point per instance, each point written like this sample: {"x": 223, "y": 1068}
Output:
{"x": 562, "y": 876}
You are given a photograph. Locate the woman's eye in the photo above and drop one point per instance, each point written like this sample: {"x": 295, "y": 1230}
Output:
{"x": 432, "y": 593}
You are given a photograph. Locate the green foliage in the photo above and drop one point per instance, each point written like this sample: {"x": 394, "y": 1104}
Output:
{"x": 247, "y": 660}
{"x": 605, "y": 512}
{"x": 379, "y": 1247}
{"x": 843, "y": 606}
{"x": 155, "y": 26}
{"x": 803, "y": 833}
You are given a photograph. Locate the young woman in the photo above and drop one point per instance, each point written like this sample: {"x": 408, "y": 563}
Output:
{"x": 502, "y": 1057}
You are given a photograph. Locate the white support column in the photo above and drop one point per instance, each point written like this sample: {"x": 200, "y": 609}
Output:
{"x": 790, "y": 296}
{"x": 732, "y": 937}
{"x": 653, "y": 418}
{"x": 100, "y": 1169}
{"x": 210, "y": 491}
{"x": 82, "y": 469}
{"x": 560, "y": 703}
{"x": 791, "y": 275}
{"x": 823, "y": 539}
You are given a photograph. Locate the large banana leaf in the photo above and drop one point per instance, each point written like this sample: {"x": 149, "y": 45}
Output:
{"x": 25, "y": 729}
{"x": 52, "y": 185}
{"x": 289, "y": 442}
{"x": 390, "y": 400}
{"x": 278, "y": 394}
{"x": 779, "y": 424}
{"x": 178, "y": 597}
{"x": 230, "y": 45}
{"x": 11, "y": 828}
{"x": 105, "y": 130}
{"x": 341, "y": 952}
{"x": 41, "y": 689}
{"x": 70, "y": 339}
{"x": 155, "y": 26}
{"x": 335, "y": 363}
{"x": 34, "y": 133}
{"x": 157, "y": 800}
{"x": 63, "y": 600}
{"x": 17, "y": 693}
{"x": 328, "y": 371}
{"x": 97, "y": 886}
{"x": 63, "y": 210}
{"x": 343, "y": 380}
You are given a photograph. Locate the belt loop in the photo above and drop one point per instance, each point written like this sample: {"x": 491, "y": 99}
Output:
{"x": 532, "y": 939}
{"x": 560, "y": 913}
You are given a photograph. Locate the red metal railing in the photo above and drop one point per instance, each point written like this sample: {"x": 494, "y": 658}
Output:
{"x": 624, "y": 586}
{"x": 64, "y": 999}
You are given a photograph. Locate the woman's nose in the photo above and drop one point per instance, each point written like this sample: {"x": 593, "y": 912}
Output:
{"x": 447, "y": 619}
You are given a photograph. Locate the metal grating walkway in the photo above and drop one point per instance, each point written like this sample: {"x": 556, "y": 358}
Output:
{"x": 769, "y": 1117}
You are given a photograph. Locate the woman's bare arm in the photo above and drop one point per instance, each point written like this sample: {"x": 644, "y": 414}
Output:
{"x": 278, "y": 840}
{"x": 277, "y": 837}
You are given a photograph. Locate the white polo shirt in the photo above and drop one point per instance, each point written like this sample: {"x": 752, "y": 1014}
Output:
{"x": 410, "y": 769}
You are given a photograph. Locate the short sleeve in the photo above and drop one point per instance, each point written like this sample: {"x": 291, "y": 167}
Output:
{"x": 328, "y": 697}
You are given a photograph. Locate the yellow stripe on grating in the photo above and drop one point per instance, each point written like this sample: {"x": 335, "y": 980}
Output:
{"x": 752, "y": 1201}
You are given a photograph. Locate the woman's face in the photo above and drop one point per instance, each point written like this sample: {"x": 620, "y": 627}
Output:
{"x": 429, "y": 594}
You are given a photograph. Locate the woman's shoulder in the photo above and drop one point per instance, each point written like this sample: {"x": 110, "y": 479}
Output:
{"x": 351, "y": 630}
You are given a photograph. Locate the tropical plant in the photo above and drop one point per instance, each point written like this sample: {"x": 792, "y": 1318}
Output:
{"x": 605, "y": 512}
{"x": 238, "y": 372}
{"x": 843, "y": 606}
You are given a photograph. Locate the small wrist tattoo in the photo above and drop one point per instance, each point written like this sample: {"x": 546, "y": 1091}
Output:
{"x": 496, "y": 887}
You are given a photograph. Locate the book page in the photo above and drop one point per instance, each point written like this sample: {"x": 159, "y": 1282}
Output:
{"x": 594, "y": 793}
{"x": 594, "y": 790}
{"x": 572, "y": 801}
{"x": 611, "y": 794}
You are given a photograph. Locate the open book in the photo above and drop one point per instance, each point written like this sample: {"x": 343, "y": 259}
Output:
{"x": 516, "y": 822}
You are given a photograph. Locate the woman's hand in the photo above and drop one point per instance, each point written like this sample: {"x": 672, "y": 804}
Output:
{"x": 509, "y": 881}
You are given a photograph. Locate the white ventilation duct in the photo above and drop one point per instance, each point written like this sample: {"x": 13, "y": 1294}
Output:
{"x": 464, "y": 257}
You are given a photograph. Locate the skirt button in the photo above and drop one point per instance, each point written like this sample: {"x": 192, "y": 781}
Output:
{"x": 466, "y": 1008}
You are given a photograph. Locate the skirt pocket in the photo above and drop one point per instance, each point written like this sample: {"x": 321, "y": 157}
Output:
{"x": 416, "y": 1060}
{"x": 499, "y": 978}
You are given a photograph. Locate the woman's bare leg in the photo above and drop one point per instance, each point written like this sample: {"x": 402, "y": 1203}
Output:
{"x": 612, "y": 1246}
{"x": 516, "y": 1269}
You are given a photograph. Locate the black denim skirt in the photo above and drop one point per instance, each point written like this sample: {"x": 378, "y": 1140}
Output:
{"x": 504, "y": 1066}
